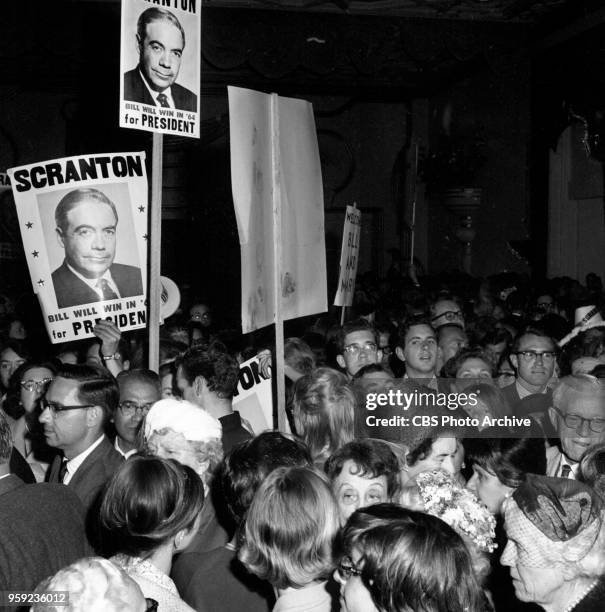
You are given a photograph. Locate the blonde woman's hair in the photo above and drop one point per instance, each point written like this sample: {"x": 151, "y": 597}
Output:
{"x": 290, "y": 529}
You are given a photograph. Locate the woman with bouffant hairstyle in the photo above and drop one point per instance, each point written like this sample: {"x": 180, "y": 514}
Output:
{"x": 324, "y": 412}
{"x": 150, "y": 512}
{"x": 289, "y": 534}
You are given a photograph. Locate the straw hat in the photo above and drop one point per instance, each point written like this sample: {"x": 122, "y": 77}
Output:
{"x": 585, "y": 318}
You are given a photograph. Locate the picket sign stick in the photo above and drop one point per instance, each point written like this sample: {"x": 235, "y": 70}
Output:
{"x": 344, "y": 308}
{"x": 155, "y": 252}
{"x": 414, "y": 195}
{"x": 278, "y": 372}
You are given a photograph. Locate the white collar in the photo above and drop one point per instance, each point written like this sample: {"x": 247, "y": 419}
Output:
{"x": 154, "y": 94}
{"x": 126, "y": 454}
{"x": 78, "y": 460}
{"x": 93, "y": 282}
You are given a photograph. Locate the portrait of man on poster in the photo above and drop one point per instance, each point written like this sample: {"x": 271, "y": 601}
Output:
{"x": 86, "y": 224}
{"x": 160, "y": 41}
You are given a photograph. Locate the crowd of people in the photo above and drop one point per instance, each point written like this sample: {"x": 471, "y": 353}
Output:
{"x": 123, "y": 488}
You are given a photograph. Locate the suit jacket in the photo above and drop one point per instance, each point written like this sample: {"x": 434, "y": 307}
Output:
{"x": 71, "y": 291}
{"x": 511, "y": 395}
{"x": 91, "y": 476}
{"x": 135, "y": 90}
{"x": 41, "y": 531}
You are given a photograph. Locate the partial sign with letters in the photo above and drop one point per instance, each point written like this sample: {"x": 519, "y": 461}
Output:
{"x": 160, "y": 66}
{"x": 253, "y": 397}
{"x": 83, "y": 222}
{"x": 349, "y": 257}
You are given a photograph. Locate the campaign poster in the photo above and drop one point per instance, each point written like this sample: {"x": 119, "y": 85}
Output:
{"x": 5, "y": 183}
{"x": 160, "y": 58}
{"x": 349, "y": 257}
{"x": 253, "y": 397}
{"x": 257, "y": 128}
{"x": 83, "y": 222}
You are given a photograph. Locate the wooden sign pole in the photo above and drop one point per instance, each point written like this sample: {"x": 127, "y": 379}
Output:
{"x": 278, "y": 372}
{"x": 154, "y": 288}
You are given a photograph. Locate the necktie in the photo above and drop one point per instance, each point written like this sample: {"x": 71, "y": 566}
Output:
{"x": 106, "y": 290}
{"x": 163, "y": 100}
{"x": 63, "y": 470}
{"x": 565, "y": 471}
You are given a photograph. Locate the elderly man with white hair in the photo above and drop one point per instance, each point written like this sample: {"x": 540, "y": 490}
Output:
{"x": 578, "y": 415}
{"x": 185, "y": 432}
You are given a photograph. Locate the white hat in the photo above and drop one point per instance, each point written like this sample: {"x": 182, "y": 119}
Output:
{"x": 182, "y": 417}
{"x": 585, "y": 317}
{"x": 170, "y": 298}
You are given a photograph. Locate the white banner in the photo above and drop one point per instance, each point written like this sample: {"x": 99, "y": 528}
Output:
{"x": 83, "y": 223}
{"x": 296, "y": 175}
{"x": 160, "y": 46}
{"x": 349, "y": 257}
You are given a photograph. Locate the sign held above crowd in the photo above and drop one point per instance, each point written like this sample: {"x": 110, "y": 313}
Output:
{"x": 160, "y": 66}
{"x": 83, "y": 222}
{"x": 349, "y": 257}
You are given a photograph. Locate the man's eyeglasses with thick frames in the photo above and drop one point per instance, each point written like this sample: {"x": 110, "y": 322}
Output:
{"x": 56, "y": 408}
{"x": 546, "y": 356}
{"x": 129, "y": 409}
{"x": 576, "y": 422}
{"x": 355, "y": 349}
{"x": 448, "y": 315}
{"x": 35, "y": 385}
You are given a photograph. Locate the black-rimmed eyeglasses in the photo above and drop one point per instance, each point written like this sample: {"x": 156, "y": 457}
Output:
{"x": 129, "y": 409}
{"x": 55, "y": 408}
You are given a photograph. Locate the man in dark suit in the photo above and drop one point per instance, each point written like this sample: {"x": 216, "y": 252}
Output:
{"x": 161, "y": 40}
{"x": 86, "y": 228}
{"x": 534, "y": 357}
{"x": 77, "y": 404}
{"x": 41, "y": 526}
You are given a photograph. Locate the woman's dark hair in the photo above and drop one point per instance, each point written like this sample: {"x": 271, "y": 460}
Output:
{"x": 510, "y": 459}
{"x": 12, "y": 402}
{"x": 413, "y": 561}
{"x": 249, "y": 463}
{"x": 148, "y": 501}
{"x": 372, "y": 459}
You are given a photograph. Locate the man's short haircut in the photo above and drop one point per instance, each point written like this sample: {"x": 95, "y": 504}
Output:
{"x": 403, "y": 329}
{"x": 74, "y": 198}
{"x": 443, "y": 298}
{"x": 372, "y": 458}
{"x": 6, "y": 440}
{"x": 298, "y": 355}
{"x": 141, "y": 375}
{"x": 290, "y": 529}
{"x": 214, "y": 364}
{"x": 96, "y": 386}
{"x": 353, "y": 326}
{"x": 578, "y": 385}
{"x": 510, "y": 459}
{"x": 455, "y": 363}
{"x": 157, "y": 14}
{"x": 250, "y": 462}
{"x": 531, "y": 330}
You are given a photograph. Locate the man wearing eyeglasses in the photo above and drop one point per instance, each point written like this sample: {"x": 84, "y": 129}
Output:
{"x": 78, "y": 402}
{"x": 357, "y": 346}
{"x": 139, "y": 390}
{"x": 533, "y": 356}
{"x": 445, "y": 311}
{"x": 578, "y": 415}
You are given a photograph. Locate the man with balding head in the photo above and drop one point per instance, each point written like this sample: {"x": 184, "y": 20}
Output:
{"x": 87, "y": 223}
{"x": 578, "y": 415}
